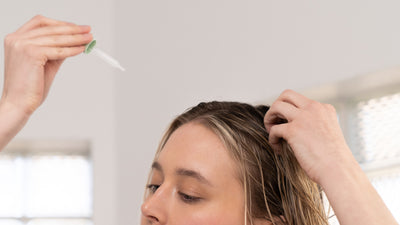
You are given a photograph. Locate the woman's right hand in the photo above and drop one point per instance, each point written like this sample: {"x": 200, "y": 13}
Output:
{"x": 33, "y": 55}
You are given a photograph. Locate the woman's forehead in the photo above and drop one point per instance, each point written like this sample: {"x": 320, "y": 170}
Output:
{"x": 195, "y": 147}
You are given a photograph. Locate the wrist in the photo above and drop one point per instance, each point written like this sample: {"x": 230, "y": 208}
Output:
{"x": 352, "y": 196}
{"x": 12, "y": 119}
{"x": 13, "y": 110}
{"x": 337, "y": 169}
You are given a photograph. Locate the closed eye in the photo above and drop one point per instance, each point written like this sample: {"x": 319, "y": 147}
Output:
{"x": 152, "y": 188}
{"x": 189, "y": 198}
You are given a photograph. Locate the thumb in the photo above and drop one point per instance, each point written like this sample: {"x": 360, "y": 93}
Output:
{"x": 50, "y": 70}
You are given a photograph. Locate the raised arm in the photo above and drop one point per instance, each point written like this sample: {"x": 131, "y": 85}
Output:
{"x": 33, "y": 55}
{"x": 313, "y": 132}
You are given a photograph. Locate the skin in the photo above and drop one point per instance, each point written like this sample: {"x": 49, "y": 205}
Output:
{"x": 179, "y": 198}
{"x": 35, "y": 52}
{"x": 313, "y": 132}
{"x": 42, "y": 44}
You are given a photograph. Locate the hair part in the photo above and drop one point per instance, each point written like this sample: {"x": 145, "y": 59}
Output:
{"x": 276, "y": 187}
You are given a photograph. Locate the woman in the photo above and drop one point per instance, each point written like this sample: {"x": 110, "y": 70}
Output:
{"x": 219, "y": 163}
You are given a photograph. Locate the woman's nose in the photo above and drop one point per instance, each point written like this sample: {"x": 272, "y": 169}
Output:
{"x": 154, "y": 208}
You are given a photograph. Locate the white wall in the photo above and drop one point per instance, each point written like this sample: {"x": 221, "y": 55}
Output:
{"x": 81, "y": 102}
{"x": 180, "y": 52}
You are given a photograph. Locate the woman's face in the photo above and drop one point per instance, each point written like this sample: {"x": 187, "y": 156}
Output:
{"x": 194, "y": 182}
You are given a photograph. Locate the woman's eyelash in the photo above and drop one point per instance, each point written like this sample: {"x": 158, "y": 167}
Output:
{"x": 188, "y": 198}
{"x": 153, "y": 188}
{"x": 184, "y": 197}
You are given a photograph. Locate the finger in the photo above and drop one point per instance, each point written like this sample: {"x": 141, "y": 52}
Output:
{"x": 292, "y": 97}
{"x": 276, "y": 134}
{"x": 58, "y": 53}
{"x": 62, "y": 40}
{"x": 280, "y": 112}
{"x": 39, "y": 21}
{"x": 56, "y": 30}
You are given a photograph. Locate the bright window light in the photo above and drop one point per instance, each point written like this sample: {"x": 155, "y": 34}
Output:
{"x": 376, "y": 134}
{"x": 387, "y": 186}
{"x": 11, "y": 183}
{"x": 60, "y": 222}
{"x": 10, "y": 222}
{"x": 58, "y": 186}
{"x": 378, "y": 122}
{"x": 45, "y": 188}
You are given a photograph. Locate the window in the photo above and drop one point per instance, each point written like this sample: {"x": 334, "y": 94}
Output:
{"x": 368, "y": 109}
{"x": 45, "y": 183}
{"x": 375, "y": 135}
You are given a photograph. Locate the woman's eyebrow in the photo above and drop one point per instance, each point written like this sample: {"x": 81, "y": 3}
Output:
{"x": 157, "y": 166}
{"x": 193, "y": 174}
{"x": 184, "y": 172}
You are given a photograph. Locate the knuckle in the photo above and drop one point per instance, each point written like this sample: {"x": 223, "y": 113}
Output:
{"x": 38, "y": 17}
{"x": 8, "y": 39}
{"x": 330, "y": 108}
{"x": 40, "y": 20}
{"x": 55, "y": 39}
{"x": 274, "y": 105}
{"x": 314, "y": 105}
{"x": 19, "y": 45}
{"x": 287, "y": 92}
{"x": 13, "y": 43}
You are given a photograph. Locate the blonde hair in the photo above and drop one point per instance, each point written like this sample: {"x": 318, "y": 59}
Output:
{"x": 275, "y": 186}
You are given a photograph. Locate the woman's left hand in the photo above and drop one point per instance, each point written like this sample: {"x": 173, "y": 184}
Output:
{"x": 311, "y": 129}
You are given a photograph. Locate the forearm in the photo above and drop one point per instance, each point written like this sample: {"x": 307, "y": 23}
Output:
{"x": 12, "y": 120}
{"x": 353, "y": 198}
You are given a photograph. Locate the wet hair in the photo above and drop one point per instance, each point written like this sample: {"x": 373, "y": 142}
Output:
{"x": 275, "y": 186}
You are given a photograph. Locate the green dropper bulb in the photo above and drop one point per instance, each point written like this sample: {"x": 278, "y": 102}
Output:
{"x": 104, "y": 56}
{"x": 89, "y": 47}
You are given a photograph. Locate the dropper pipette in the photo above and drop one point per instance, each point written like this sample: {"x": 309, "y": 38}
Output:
{"x": 102, "y": 55}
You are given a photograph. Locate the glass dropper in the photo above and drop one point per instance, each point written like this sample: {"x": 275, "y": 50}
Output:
{"x": 102, "y": 55}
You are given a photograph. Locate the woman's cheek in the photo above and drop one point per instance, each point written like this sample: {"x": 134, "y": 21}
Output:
{"x": 201, "y": 220}
{"x": 211, "y": 218}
